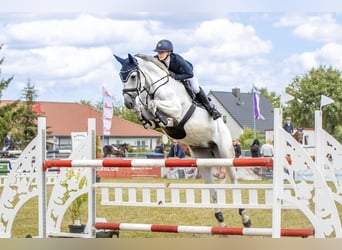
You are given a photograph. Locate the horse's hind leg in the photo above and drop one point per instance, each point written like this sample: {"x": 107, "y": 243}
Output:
{"x": 246, "y": 221}
{"x": 208, "y": 179}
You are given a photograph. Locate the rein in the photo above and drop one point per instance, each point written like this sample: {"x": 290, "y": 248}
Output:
{"x": 141, "y": 89}
{"x": 157, "y": 88}
{"x": 146, "y": 89}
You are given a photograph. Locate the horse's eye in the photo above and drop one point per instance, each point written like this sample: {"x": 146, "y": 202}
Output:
{"x": 133, "y": 76}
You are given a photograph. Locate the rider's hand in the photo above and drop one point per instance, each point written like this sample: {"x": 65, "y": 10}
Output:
{"x": 173, "y": 75}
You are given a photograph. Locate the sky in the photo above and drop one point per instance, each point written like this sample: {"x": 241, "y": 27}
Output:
{"x": 65, "y": 48}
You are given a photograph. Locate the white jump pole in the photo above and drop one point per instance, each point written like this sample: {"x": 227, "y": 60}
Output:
{"x": 278, "y": 185}
{"x": 92, "y": 178}
{"x": 41, "y": 177}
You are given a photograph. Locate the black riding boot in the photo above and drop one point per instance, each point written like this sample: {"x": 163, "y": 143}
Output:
{"x": 202, "y": 97}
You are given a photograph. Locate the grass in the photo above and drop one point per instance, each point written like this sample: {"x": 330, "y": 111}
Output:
{"x": 26, "y": 221}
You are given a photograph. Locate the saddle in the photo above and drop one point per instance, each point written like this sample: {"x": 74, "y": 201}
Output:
{"x": 177, "y": 130}
{"x": 193, "y": 97}
{"x": 115, "y": 147}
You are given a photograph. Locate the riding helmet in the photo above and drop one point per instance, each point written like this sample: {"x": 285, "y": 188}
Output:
{"x": 164, "y": 46}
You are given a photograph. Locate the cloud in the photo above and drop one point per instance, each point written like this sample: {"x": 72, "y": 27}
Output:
{"x": 76, "y": 50}
{"x": 327, "y": 55}
{"x": 317, "y": 28}
{"x": 226, "y": 52}
{"x": 227, "y": 39}
{"x": 84, "y": 30}
{"x": 68, "y": 56}
{"x": 73, "y": 51}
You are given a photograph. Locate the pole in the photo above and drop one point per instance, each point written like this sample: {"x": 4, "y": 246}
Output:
{"x": 254, "y": 124}
{"x": 103, "y": 142}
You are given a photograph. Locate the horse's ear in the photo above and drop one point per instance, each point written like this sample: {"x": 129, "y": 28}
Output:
{"x": 119, "y": 59}
{"x": 132, "y": 60}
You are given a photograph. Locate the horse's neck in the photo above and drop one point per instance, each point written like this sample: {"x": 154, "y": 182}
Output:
{"x": 157, "y": 79}
{"x": 169, "y": 95}
{"x": 158, "y": 65}
{"x": 153, "y": 69}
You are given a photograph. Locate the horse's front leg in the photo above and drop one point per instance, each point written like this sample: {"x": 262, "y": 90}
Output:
{"x": 144, "y": 115}
{"x": 165, "y": 111}
{"x": 171, "y": 108}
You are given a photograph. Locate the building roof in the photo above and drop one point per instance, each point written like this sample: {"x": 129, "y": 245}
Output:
{"x": 62, "y": 118}
{"x": 240, "y": 107}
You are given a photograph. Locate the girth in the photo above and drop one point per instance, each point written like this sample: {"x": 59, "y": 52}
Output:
{"x": 178, "y": 131}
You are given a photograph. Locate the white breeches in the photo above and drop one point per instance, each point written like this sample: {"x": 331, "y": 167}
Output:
{"x": 194, "y": 84}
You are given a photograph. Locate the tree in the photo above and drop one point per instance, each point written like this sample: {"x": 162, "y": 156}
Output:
{"x": 4, "y": 83}
{"x": 247, "y": 138}
{"x": 6, "y": 111}
{"x": 307, "y": 91}
{"x": 127, "y": 114}
{"x": 26, "y": 117}
{"x": 119, "y": 110}
{"x": 272, "y": 97}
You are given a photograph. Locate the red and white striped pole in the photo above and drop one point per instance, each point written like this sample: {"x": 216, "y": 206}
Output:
{"x": 202, "y": 229}
{"x": 172, "y": 162}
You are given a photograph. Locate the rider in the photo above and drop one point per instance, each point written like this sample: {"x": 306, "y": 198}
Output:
{"x": 182, "y": 70}
{"x": 7, "y": 141}
{"x": 288, "y": 125}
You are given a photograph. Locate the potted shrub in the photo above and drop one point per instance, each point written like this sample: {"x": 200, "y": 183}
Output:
{"x": 75, "y": 213}
{"x": 74, "y": 182}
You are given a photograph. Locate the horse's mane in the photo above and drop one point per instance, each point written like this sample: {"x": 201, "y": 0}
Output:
{"x": 153, "y": 60}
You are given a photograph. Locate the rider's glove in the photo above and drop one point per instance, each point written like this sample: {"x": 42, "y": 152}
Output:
{"x": 173, "y": 75}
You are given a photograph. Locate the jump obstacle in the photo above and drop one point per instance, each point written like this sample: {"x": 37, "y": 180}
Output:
{"x": 203, "y": 229}
{"x": 168, "y": 163}
{"x": 285, "y": 192}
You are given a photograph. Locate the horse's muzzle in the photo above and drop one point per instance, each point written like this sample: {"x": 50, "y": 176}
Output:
{"x": 129, "y": 103}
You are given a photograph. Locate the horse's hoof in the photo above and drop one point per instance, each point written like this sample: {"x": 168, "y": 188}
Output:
{"x": 219, "y": 217}
{"x": 248, "y": 223}
{"x": 222, "y": 224}
{"x": 242, "y": 211}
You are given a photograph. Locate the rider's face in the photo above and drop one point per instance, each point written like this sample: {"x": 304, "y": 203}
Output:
{"x": 163, "y": 55}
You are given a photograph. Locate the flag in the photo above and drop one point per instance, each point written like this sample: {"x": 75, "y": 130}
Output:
{"x": 325, "y": 100}
{"x": 107, "y": 112}
{"x": 285, "y": 97}
{"x": 256, "y": 105}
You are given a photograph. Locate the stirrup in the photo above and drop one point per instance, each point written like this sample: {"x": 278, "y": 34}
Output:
{"x": 215, "y": 114}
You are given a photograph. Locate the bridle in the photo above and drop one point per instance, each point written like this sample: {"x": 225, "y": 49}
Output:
{"x": 139, "y": 89}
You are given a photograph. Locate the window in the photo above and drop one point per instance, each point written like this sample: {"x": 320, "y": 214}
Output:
{"x": 141, "y": 144}
{"x": 306, "y": 140}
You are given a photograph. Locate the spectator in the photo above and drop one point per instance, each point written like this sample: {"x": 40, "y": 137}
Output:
{"x": 159, "y": 148}
{"x": 288, "y": 125}
{"x": 220, "y": 172}
{"x": 255, "y": 148}
{"x": 176, "y": 150}
{"x": 266, "y": 149}
{"x": 237, "y": 147}
{"x": 7, "y": 142}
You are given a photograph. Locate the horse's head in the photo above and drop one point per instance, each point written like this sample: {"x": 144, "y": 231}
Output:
{"x": 300, "y": 130}
{"x": 129, "y": 77}
{"x": 124, "y": 146}
{"x": 299, "y": 134}
{"x": 141, "y": 75}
